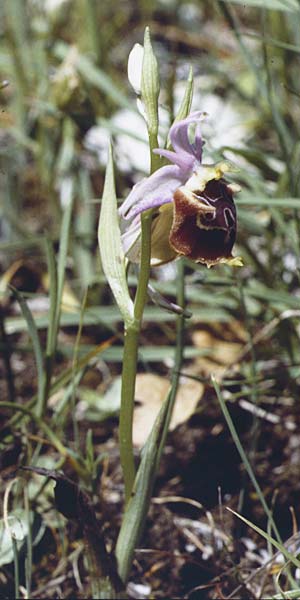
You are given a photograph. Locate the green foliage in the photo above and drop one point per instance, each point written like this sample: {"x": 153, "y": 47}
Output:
{"x": 112, "y": 255}
{"x": 65, "y": 78}
{"x": 284, "y": 5}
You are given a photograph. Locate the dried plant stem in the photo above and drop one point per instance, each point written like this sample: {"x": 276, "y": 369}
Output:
{"x": 130, "y": 358}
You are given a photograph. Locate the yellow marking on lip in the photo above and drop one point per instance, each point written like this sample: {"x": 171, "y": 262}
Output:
{"x": 208, "y": 227}
{"x": 235, "y": 261}
{"x": 205, "y": 173}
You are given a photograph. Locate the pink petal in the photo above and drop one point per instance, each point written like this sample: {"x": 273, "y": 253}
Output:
{"x": 183, "y": 159}
{"x": 131, "y": 234}
{"x": 180, "y": 139}
{"x": 152, "y": 191}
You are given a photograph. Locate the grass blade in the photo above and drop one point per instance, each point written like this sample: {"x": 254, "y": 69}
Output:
{"x": 244, "y": 458}
{"x": 38, "y": 353}
{"x": 283, "y": 5}
{"x": 290, "y": 557}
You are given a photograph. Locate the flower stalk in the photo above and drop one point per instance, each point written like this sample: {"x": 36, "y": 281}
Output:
{"x": 149, "y": 93}
{"x": 130, "y": 358}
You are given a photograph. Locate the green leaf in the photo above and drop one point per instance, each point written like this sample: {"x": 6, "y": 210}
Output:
{"x": 186, "y": 103}
{"x": 17, "y": 530}
{"x": 110, "y": 245}
{"x": 244, "y": 458}
{"x": 275, "y": 298}
{"x": 38, "y": 353}
{"x": 52, "y": 271}
{"x": 84, "y": 230}
{"x": 289, "y": 594}
{"x": 244, "y": 199}
{"x": 67, "y": 199}
{"x": 284, "y": 5}
{"x": 108, "y": 315}
{"x": 101, "y": 406}
{"x": 290, "y": 557}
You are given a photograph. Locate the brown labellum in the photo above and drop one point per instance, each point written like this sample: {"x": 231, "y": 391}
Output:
{"x": 204, "y": 223}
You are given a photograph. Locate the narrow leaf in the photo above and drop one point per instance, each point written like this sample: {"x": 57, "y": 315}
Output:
{"x": 289, "y": 594}
{"x": 38, "y": 353}
{"x": 244, "y": 457}
{"x": 67, "y": 200}
{"x": 108, "y": 316}
{"x": 284, "y": 5}
{"x": 186, "y": 103}
{"x": 267, "y": 537}
{"x": 268, "y": 202}
{"x": 110, "y": 245}
{"x": 52, "y": 273}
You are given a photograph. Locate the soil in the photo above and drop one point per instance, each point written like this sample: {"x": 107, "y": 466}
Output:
{"x": 192, "y": 546}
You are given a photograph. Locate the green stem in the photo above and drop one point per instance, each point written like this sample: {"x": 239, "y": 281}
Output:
{"x": 28, "y": 559}
{"x": 130, "y": 358}
{"x": 142, "y": 288}
{"x": 138, "y": 505}
{"x": 127, "y": 404}
{"x": 178, "y": 355}
{"x": 155, "y": 159}
{"x": 16, "y": 567}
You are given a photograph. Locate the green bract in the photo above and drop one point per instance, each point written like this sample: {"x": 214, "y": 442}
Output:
{"x": 111, "y": 250}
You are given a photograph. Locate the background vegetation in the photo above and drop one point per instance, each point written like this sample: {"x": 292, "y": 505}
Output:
{"x": 64, "y": 91}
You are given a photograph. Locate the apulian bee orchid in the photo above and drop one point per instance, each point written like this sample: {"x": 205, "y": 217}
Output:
{"x": 194, "y": 213}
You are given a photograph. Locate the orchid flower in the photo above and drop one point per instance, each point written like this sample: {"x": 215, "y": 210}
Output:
{"x": 194, "y": 212}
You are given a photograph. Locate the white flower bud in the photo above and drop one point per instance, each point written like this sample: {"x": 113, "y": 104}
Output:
{"x": 134, "y": 68}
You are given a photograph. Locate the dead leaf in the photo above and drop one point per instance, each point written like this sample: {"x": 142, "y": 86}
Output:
{"x": 6, "y": 278}
{"x": 151, "y": 391}
{"x": 223, "y": 352}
